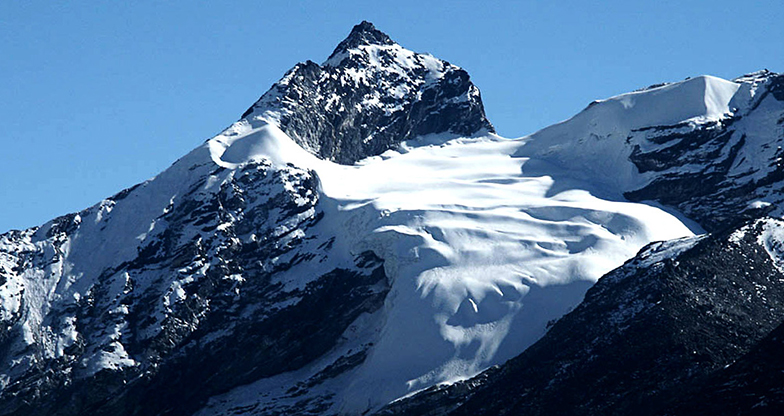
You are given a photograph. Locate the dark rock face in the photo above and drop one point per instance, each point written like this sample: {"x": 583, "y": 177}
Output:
{"x": 750, "y": 386}
{"x": 646, "y": 335}
{"x": 370, "y": 95}
{"x": 203, "y": 307}
{"x": 714, "y": 172}
{"x": 362, "y": 34}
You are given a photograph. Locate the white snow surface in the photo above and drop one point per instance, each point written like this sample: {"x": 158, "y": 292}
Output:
{"x": 597, "y": 141}
{"x": 481, "y": 254}
{"x": 772, "y": 238}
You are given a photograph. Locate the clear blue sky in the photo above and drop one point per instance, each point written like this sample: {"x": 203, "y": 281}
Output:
{"x": 98, "y": 96}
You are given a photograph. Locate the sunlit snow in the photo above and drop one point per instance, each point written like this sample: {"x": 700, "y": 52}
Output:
{"x": 481, "y": 254}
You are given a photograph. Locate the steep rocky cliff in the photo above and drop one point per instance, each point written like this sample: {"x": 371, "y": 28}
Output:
{"x": 368, "y": 96}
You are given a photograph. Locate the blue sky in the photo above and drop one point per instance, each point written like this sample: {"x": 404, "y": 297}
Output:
{"x": 98, "y": 96}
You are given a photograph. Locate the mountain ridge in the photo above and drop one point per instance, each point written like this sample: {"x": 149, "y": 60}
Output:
{"x": 433, "y": 250}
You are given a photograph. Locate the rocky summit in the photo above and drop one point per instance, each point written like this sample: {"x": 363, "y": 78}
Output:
{"x": 361, "y": 242}
{"x": 368, "y": 96}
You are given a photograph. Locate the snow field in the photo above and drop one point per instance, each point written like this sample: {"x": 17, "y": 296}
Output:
{"x": 481, "y": 255}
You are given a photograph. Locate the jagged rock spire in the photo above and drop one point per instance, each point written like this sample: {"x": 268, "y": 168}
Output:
{"x": 370, "y": 95}
{"x": 362, "y": 34}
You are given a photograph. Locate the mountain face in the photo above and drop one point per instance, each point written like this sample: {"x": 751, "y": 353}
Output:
{"x": 137, "y": 326}
{"x": 267, "y": 273}
{"x": 710, "y": 148}
{"x": 750, "y": 386}
{"x": 647, "y": 336}
{"x": 738, "y": 162}
{"x": 368, "y": 96}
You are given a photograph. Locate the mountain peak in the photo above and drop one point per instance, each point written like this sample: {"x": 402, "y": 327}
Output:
{"x": 363, "y": 34}
{"x": 755, "y": 76}
{"x": 368, "y": 96}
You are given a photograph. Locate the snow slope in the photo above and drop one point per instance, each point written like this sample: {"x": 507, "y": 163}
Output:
{"x": 481, "y": 255}
{"x": 709, "y": 148}
{"x": 596, "y": 141}
{"x": 488, "y": 239}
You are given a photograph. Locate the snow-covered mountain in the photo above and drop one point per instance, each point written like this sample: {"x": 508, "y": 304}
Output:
{"x": 360, "y": 235}
{"x": 709, "y": 147}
